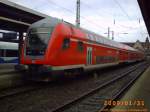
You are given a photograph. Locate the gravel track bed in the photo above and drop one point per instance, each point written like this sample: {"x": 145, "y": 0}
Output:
{"x": 54, "y": 94}
{"x": 95, "y": 102}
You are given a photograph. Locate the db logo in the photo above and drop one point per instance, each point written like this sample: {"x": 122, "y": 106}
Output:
{"x": 33, "y": 61}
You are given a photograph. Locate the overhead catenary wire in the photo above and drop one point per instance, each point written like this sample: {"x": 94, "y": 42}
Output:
{"x": 94, "y": 23}
{"x": 119, "y": 5}
{"x": 118, "y": 25}
{"x": 104, "y": 12}
{"x": 73, "y": 13}
{"x": 126, "y": 14}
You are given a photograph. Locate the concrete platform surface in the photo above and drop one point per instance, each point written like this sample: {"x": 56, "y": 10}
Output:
{"x": 137, "y": 99}
{"x": 9, "y": 76}
{"x": 7, "y": 68}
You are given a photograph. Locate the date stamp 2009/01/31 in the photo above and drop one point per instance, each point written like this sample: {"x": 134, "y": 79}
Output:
{"x": 132, "y": 106}
{"x": 124, "y": 103}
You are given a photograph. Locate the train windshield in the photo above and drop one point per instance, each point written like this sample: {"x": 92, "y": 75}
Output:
{"x": 37, "y": 40}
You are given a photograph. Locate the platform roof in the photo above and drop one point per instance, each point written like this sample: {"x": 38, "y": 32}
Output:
{"x": 145, "y": 9}
{"x": 15, "y": 17}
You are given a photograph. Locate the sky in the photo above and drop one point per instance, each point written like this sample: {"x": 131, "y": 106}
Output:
{"x": 123, "y": 17}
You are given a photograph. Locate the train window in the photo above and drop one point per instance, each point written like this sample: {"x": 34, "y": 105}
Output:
{"x": 88, "y": 36}
{"x": 66, "y": 43}
{"x": 1, "y": 53}
{"x": 38, "y": 38}
{"x": 11, "y": 53}
{"x": 80, "y": 46}
{"x": 101, "y": 40}
{"x": 96, "y": 38}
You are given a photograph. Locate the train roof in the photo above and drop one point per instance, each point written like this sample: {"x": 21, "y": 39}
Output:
{"x": 8, "y": 45}
{"x": 51, "y": 21}
{"x": 92, "y": 36}
{"x": 103, "y": 40}
{"x": 47, "y": 22}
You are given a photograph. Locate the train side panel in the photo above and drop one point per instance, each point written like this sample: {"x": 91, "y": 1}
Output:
{"x": 70, "y": 48}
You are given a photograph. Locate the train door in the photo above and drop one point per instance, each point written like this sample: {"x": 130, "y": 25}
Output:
{"x": 89, "y": 56}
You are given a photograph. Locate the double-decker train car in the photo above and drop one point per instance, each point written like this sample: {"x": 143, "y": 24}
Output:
{"x": 55, "y": 45}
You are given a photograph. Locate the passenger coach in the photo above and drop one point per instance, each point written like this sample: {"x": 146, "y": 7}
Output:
{"x": 55, "y": 45}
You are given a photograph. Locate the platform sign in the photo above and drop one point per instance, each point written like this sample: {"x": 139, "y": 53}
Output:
{"x": 11, "y": 35}
{"x": 89, "y": 55}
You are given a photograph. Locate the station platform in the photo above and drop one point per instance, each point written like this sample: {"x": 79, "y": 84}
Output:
{"x": 9, "y": 76}
{"x": 137, "y": 98}
{"x": 7, "y": 65}
{"x": 6, "y": 68}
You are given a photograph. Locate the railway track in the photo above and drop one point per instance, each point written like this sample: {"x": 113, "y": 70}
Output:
{"x": 92, "y": 101}
{"x": 21, "y": 89}
{"x": 26, "y": 87}
{"x": 68, "y": 102}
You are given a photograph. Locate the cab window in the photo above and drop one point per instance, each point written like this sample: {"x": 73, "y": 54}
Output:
{"x": 1, "y": 53}
{"x": 66, "y": 43}
{"x": 80, "y": 46}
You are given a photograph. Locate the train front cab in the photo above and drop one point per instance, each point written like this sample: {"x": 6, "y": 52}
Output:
{"x": 46, "y": 48}
{"x": 37, "y": 45}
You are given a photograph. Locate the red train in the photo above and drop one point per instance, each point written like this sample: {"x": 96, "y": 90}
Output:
{"x": 55, "y": 45}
